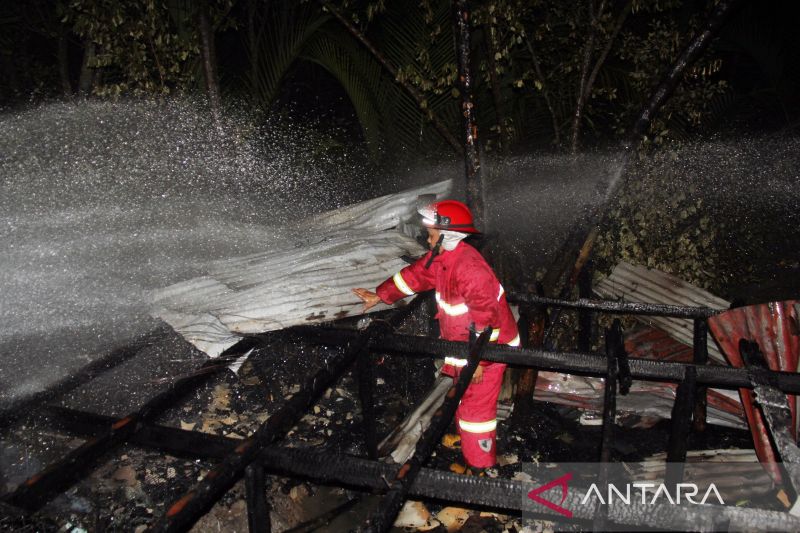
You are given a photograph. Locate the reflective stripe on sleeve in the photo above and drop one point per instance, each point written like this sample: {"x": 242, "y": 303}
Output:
{"x": 455, "y": 361}
{"x": 514, "y": 341}
{"x": 452, "y": 310}
{"x": 495, "y": 335}
{"x": 478, "y": 427}
{"x": 401, "y": 284}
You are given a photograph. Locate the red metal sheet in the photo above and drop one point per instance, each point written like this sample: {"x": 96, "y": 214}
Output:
{"x": 645, "y": 342}
{"x": 654, "y": 343}
{"x": 774, "y": 326}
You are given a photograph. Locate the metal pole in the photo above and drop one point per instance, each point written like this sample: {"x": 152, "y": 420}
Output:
{"x": 472, "y": 163}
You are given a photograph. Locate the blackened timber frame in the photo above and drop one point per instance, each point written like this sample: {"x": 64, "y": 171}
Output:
{"x": 170, "y": 440}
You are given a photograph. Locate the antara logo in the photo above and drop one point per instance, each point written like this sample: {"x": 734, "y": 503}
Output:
{"x": 560, "y": 482}
{"x": 651, "y": 492}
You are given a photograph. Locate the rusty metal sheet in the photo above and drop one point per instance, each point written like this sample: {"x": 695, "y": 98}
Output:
{"x": 645, "y": 397}
{"x": 635, "y": 283}
{"x": 774, "y": 326}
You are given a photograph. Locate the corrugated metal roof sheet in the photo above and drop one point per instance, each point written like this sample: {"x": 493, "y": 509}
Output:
{"x": 300, "y": 282}
{"x": 645, "y": 397}
{"x": 774, "y": 326}
{"x": 634, "y": 283}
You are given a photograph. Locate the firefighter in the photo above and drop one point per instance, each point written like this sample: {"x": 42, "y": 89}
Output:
{"x": 468, "y": 295}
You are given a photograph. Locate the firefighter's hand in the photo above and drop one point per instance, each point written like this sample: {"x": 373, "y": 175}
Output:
{"x": 477, "y": 377}
{"x": 369, "y": 298}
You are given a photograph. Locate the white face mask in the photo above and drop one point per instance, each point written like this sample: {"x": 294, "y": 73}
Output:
{"x": 451, "y": 239}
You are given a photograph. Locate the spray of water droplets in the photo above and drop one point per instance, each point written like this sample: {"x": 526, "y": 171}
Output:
{"x": 102, "y": 201}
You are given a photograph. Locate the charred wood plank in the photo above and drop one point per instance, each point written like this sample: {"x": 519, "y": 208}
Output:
{"x": 257, "y": 506}
{"x": 58, "y": 476}
{"x": 504, "y": 494}
{"x": 185, "y": 512}
{"x": 681, "y": 424}
{"x": 777, "y": 414}
{"x": 82, "y": 376}
{"x": 613, "y": 346}
{"x": 568, "y": 362}
{"x": 403, "y": 478}
{"x": 700, "y": 358}
{"x": 608, "y": 306}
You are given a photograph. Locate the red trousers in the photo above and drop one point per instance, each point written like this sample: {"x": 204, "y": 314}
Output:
{"x": 476, "y": 417}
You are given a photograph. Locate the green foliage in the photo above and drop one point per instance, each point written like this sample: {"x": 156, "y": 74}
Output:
{"x": 141, "y": 46}
{"x": 283, "y": 32}
{"x": 689, "y": 227}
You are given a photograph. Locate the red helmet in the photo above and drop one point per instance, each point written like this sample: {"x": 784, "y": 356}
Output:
{"x": 449, "y": 215}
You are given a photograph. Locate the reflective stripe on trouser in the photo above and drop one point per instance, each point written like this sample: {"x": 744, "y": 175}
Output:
{"x": 476, "y": 418}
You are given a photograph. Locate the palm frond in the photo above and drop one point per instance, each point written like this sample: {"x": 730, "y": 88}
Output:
{"x": 287, "y": 30}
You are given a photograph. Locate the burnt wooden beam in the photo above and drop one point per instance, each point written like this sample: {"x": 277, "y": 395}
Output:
{"x": 608, "y": 306}
{"x": 58, "y": 476}
{"x": 341, "y": 470}
{"x": 700, "y": 358}
{"x": 256, "y": 492}
{"x": 185, "y": 511}
{"x": 777, "y": 414}
{"x": 680, "y": 427}
{"x": 582, "y": 363}
{"x": 613, "y": 345}
{"x": 382, "y": 519}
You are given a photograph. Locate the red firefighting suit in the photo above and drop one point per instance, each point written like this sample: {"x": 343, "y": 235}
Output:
{"x": 467, "y": 292}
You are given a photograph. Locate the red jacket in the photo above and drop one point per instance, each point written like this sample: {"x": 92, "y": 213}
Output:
{"x": 467, "y": 292}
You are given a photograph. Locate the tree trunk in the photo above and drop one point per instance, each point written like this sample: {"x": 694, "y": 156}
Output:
{"x": 577, "y": 116}
{"x": 545, "y": 93}
{"x": 496, "y": 95}
{"x": 209, "y": 56}
{"x": 583, "y": 235}
{"x": 472, "y": 163}
{"x": 63, "y": 62}
{"x": 86, "y": 80}
{"x": 253, "y": 37}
